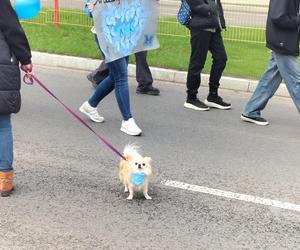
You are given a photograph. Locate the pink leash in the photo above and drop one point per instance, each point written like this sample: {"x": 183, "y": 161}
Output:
{"x": 30, "y": 79}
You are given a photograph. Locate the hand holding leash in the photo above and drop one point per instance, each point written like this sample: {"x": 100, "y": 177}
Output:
{"x": 28, "y": 73}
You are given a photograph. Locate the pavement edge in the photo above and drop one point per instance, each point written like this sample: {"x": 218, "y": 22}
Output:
{"x": 167, "y": 75}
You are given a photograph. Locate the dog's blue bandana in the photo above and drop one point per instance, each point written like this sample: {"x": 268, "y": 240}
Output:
{"x": 138, "y": 178}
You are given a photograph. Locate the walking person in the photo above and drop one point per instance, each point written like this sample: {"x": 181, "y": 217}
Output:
{"x": 206, "y": 24}
{"x": 14, "y": 48}
{"x": 116, "y": 80}
{"x": 143, "y": 73}
{"x": 282, "y": 33}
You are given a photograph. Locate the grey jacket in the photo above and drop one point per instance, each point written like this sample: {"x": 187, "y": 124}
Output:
{"x": 14, "y": 48}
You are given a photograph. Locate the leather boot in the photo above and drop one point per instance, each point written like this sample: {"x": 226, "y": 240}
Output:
{"x": 6, "y": 183}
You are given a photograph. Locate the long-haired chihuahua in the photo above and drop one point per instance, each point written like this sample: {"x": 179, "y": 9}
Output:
{"x": 136, "y": 172}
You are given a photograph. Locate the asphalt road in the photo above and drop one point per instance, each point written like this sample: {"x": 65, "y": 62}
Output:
{"x": 235, "y": 14}
{"x": 68, "y": 195}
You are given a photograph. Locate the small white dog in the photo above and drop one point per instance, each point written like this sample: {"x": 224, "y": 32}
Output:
{"x": 136, "y": 172}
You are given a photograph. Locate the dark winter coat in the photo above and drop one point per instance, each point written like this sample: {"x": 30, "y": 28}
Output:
{"x": 283, "y": 27}
{"x": 206, "y": 14}
{"x": 14, "y": 47}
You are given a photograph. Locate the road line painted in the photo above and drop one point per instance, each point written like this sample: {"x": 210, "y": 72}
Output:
{"x": 231, "y": 195}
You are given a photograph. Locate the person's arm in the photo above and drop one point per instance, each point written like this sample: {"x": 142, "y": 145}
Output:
{"x": 280, "y": 17}
{"x": 87, "y": 8}
{"x": 13, "y": 33}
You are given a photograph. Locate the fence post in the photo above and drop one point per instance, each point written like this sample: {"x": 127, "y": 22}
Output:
{"x": 56, "y": 13}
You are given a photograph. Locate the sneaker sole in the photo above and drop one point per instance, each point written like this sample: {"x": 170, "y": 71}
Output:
{"x": 88, "y": 115}
{"x": 147, "y": 93}
{"x": 215, "y": 105}
{"x": 7, "y": 193}
{"x": 191, "y": 106}
{"x": 129, "y": 133}
{"x": 246, "y": 119}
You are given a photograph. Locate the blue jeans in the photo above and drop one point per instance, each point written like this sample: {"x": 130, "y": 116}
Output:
{"x": 6, "y": 144}
{"x": 280, "y": 67}
{"x": 118, "y": 80}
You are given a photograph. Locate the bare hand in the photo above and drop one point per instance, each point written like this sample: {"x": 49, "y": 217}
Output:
{"x": 28, "y": 70}
{"x": 90, "y": 7}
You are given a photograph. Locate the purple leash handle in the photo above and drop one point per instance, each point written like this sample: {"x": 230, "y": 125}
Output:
{"x": 30, "y": 79}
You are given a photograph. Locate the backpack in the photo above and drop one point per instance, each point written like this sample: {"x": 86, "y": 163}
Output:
{"x": 184, "y": 13}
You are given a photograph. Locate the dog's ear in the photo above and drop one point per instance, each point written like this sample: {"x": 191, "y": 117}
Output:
{"x": 148, "y": 160}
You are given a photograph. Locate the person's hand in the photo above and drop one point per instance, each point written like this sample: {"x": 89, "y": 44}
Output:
{"x": 28, "y": 70}
{"x": 90, "y": 7}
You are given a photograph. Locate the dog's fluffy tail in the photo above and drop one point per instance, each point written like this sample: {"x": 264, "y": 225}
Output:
{"x": 131, "y": 151}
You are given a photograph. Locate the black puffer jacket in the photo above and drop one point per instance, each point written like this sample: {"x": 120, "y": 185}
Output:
{"x": 283, "y": 27}
{"x": 14, "y": 47}
{"x": 206, "y": 14}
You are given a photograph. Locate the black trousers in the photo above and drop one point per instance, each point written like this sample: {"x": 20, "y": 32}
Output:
{"x": 202, "y": 42}
{"x": 143, "y": 73}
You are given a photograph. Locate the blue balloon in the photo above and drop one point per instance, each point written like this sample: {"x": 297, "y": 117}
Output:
{"x": 27, "y": 9}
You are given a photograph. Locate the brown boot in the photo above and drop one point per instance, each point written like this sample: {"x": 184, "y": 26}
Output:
{"x": 6, "y": 183}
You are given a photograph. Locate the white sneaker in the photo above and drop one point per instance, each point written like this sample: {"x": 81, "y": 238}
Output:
{"x": 91, "y": 112}
{"x": 129, "y": 127}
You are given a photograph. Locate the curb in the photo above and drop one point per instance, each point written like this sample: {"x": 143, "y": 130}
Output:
{"x": 167, "y": 75}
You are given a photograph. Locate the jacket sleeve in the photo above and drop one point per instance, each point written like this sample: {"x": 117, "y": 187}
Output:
{"x": 199, "y": 7}
{"x": 281, "y": 18}
{"x": 13, "y": 33}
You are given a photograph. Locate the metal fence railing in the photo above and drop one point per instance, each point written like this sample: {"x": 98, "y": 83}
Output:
{"x": 245, "y": 19}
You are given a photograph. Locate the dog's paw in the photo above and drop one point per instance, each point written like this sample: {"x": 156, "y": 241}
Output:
{"x": 126, "y": 190}
{"x": 130, "y": 197}
{"x": 148, "y": 197}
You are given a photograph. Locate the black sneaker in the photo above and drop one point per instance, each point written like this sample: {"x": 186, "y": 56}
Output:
{"x": 217, "y": 102}
{"x": 148, "y": 91}
{"x": 97, "y": 76}
{"x": 256, "y": 120}
{"x": 195, "y": 105}
{"x": 90, "y": 77}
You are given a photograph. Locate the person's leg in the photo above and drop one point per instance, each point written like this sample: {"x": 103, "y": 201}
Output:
{"x": 118, "y": 80}
{"x": 200, "y": 41}
{"x": 289, "y": 69}
{"x": 89, "y": 107}
{"x": 119, "y": 71}
{"x": 6, "y": 155}
{"x": 6, "y": 144}
{"x": 143, "y": 75}
{"x": 102, "y": 91}
{"x": 265, "y": 89}
{"x": 100, "y": 73}
{"x": 219, "y": 57}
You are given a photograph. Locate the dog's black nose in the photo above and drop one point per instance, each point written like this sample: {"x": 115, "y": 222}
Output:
{"x": 140, "y": 166}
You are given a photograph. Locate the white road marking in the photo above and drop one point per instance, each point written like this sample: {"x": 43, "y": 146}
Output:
{"x": 231, "y": 195}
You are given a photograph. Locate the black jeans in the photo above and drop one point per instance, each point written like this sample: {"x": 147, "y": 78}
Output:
{"x": 202, "y": 42}
{"x": 143, "y": 73}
